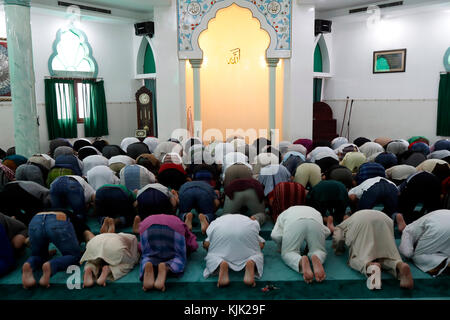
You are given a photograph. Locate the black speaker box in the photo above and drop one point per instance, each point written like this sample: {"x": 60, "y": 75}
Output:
{"x": 322, "y": 26}
{"x": 145, "y": 28}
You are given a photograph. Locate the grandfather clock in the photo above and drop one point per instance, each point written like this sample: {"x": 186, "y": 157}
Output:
{"x": 145, "y": 110}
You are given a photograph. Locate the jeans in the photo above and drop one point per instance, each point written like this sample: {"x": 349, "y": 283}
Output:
{"x": 113, "y": 202}
{"x": 46, "y": 228}
{"x": 198, "y": 199}
{"x": 6, "y": 253}
{"x": 382, "y": 192}
{"x": 68, "y": 192}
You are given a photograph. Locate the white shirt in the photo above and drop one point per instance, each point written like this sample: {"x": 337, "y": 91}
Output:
{"x": 127, "y": 141}
{"x": 233, "y": 158}
{"x": 295, "y": 213}
{"x": 312, "y": 155}
{"x": 370, "y": 148}
{"x": 93, "y": 161}
{"x": 235, "y": 239}
{"x": 359, "y": 190}
{"x": 156, "y": 186}
{"x": 101, "y": 175}
{"x": 126, "y": 160}
{"x": 427, "y": 240}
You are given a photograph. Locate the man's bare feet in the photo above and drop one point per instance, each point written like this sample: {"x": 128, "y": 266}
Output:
{"x": 224, "y": 280}
{"x": 405, "y": 276}
{"x": 401, "y": 224}
{"x": 149, "y": 277}
{"x": 203, "y": 222}
{"x": 112, "y": 226}
{"x": 330, "y": 224}
{"x": 105, "y": 226}
{"x": 88, "y": 278}
{"x": 319, "y": 272}
{"x": 188, "y": 220}
{"x": 136, "y": 223}
{"x": 160, "y": 283}
{"x": 306, "y": 269}
{"x": 88, "y": 235}
{"x": 249, "y": 277}
{"x": 46, "y": 274}
{"x": 28, "y": 280}
{"x": 101, "y": 281}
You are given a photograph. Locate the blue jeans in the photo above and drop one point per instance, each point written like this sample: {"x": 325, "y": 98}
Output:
{"x": 198, "y": 199}
{"x": 68, "y": 192}
{"x": 46, "y": 228}
{"x": 6, "y": 253}
{"x": 382, "y": 192}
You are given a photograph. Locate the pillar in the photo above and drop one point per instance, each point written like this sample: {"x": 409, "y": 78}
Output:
{"x": 272, "y": 64}
{"x": 21, "y": 71}
{"x": 196, "y": 64}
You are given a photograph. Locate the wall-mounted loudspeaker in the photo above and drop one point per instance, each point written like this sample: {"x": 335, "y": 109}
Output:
{"x": 145, "y": 28}
{"x": 322, "y": 26}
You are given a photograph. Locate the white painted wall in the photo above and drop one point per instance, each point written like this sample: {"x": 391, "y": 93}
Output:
{"x": 398, "y": 105}
{"x": 298, "y": 75}
{"x": 170, "y": 81}
{"x": 112, "y": 45}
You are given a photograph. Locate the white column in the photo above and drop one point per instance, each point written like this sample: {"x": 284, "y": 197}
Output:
{"x": 196, "y": 64}
{"x": 21, "y": 70}
{"x": 272, "y": 64}
{"x": 298, "y": 76}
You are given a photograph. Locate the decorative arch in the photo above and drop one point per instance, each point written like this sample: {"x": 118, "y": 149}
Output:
{"x": 194, "y": 16}
{"x": 447, "y": 60}
{"x": 322, "y": 44}
{"x": 72, "y": 55}
{"x": 141, "y": 56}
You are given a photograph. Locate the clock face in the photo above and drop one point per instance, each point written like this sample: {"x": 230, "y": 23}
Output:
{"x": 144, "y": 98}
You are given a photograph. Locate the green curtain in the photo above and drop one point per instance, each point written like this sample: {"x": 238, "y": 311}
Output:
{"x": 59, "y": 94}
{"x": 443, "y": 117}
{"x": 317, "y": 90}
{"x": 150, "y": 84}
{"x": 318, "y": 64}
{"x": 96, "y": 118}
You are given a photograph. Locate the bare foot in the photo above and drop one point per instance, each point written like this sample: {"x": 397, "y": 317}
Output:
{"x": 224, "y": 280}
{"x": 46, "y": 274}
{"x": 249, "y": 277}
{"x": 405, "y": 276}
{"x": 253, "y": 218}
{"x": 346, "y": 217}
{"x": 101, "y": 281}
{"x": 149, "y": 277}
{"x": 319, "y": 272}
{"x": 88, "y": 278}
{"x": 28, "y": 280}
{"x": 112, "y": 226}
{"x": 136, "y": 222}
{"x": 105, "y": 226}
{"x": 88, "y": 235}
{"x": 401, "y": 224}
{"x": 188, "y": 220}
{"x": 306, "y": 268}
{"x": 330, "y": 224}
{"x": 160, "y": 282}
{"x": 203, "y": 222}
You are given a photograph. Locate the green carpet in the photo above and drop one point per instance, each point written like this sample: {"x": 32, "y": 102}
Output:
{"x": 342, "y": 283}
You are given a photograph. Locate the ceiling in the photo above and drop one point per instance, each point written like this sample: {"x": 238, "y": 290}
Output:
{"x": 327, "y": 5}
{"x": 147, "y": 5}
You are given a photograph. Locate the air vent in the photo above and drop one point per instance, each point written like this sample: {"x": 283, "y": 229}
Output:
{"x": 381, "y": 6}
{"x": 82, "y": 7}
